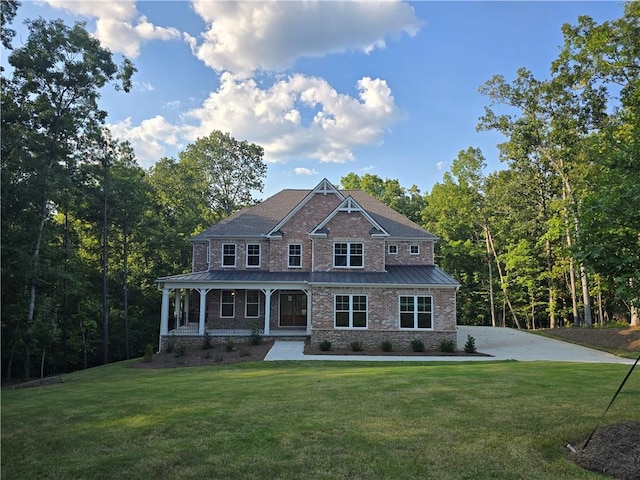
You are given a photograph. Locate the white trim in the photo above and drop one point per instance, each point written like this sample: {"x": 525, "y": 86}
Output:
{"x": 246, "y": 249}
{"x": 349, "y": 205}
{"x": 415, "y": 313}
{"x": 233, "y": 304}
{"x": 235, "y": 254}
{"x": 351, "y": 311}
{"x": 289, "y": 255}
{"x": 417, "y": 245}
{"x": 395, "y": 247}
{"x": 246, "y": 303}
{"x": 348, "y": 255}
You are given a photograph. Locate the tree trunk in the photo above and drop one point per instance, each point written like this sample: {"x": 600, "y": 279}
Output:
{"x": 503, "y": 283}
{"x": 125, "y": 269}
{"x": 105, "y": 266}
{"x": 489, "y": 257}
{"x": 552, "y": 297}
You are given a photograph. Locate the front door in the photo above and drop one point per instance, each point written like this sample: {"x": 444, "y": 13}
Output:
{"x": 293, "y": 309}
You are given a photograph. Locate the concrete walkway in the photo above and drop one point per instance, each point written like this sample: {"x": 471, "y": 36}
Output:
{"x": 500, "y": 343}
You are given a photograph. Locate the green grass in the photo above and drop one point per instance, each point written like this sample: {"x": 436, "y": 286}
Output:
{"x": 312, "y": 420}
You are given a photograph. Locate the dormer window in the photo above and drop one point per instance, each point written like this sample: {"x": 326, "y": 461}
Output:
{"x": 228, "y": 255}
{"x": 348, "y": 255}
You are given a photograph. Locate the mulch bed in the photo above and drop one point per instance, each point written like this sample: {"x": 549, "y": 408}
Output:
{"x": 218, "y": 355}
{"x": 613, "y": 450}
{"x": 310, "y": 349}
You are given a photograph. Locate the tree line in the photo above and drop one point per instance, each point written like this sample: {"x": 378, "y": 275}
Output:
{"x": 551, "y": 240}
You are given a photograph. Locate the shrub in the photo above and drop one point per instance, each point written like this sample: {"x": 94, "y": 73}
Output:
{"x": 470, "y": 346}
{"x": 206, "y": 342}
{"x": 447, "y": 345}
{"x": 255, "y": 338}
{"x": 417, "y": 345}
{"x": 148, "y": 353}
{"x": 357, "y": 346}
{"x": 325, "y": 346}
{"x": 244, "y": 352}
{"x": 181, "y": 351}
{"x": 386, "y": 346}
{"x": 171, "y": 345}
{"x": 230, "y": 345}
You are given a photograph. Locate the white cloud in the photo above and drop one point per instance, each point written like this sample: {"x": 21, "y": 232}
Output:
{"x": 248, "y": 36}
{"x": 273, "y": 117}
{"x": 305, "y": 171}
{"x": 441, "y": 164}
{"x": 150, "y": 139}
{"x": 118, "y": 26}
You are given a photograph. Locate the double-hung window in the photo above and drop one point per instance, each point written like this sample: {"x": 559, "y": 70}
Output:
{"x": 227, "y": 303}
{"x": 351, "y": 311}
{"x": 295, "y": 256}
{"x": 252, "y": 304}
{"x": 253, "y": 255}
{"x": 416, "y": 312}
{"x": 228, "y": 255}
{"x": 348, "y": 255}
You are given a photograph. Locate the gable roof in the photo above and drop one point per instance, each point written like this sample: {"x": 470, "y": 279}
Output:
{"x": 350, "y": 205}
{"x": 267, "y": 217}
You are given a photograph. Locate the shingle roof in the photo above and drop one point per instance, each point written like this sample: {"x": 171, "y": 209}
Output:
{"x": 414, "y": 275}
{"x": 262, "y": 218}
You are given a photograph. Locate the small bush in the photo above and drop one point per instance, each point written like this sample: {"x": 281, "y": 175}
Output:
{"x": 181, "y": 351}
{"x": 244, "y": 352}
{"x": 207, "y": 344}
{"x": 230, "y": 345}
{"x": 417, "y": 345}
{"x": 470, "y": 346}
{"x": 219, "y": 358}
{"x": 255, "y": 338}
{"x": 171, "y": 345}
{"x": 148, "y": 353}
{"x": 386, "y": 346}
{"x": 357, "y": 346}
{"x": 447, "y": 345}
{"x": 325, "y": 346}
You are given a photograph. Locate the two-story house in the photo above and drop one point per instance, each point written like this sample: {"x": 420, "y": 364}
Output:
{"x": 329, "y": 264}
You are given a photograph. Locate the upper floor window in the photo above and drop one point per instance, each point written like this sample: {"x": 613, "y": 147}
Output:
{"x": 228, "y": 255}
{"x": 348, "y": 254}
{"x": 253, "y": 255}
{"x": 295, "y": 256}
{"x": 416, "y": 312}
{"x": 351, "y": 311}
{"x": 393, "y": 249}
{"x": 414, "y": 249}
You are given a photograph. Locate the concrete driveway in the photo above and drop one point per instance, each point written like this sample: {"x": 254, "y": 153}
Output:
{"x": 500, "y": 343}
{"x": 509, "y": 344}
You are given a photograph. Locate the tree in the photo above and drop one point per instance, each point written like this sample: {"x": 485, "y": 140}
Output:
{"x": 8, "y": 11}
{"x": 607, "y": 57}
{"x": 226, "y": 169}
{"x": 56, "y": 79}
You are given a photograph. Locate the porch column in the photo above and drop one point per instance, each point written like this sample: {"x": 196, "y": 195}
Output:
{"x": 164, "y": 312}
{"x": 267, "y": 309}
{"x": 203, "y": 306}
{"x": 187, "y": 306}
{"x": 308, "y": 292}
{"x": 177, "y": 307}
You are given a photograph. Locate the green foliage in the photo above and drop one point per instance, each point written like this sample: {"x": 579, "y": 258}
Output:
{"x": 207, "y": 344}
{"x": 244, "y": 353}
{"x": 324, "y": 345}
{"x": 148, "y": 353}
{"x": 417, "y": 345}
{"x": 470, "y": 345}
{"x": 356, "y": 346}
{"x": 230, "y": 344}
{"x": 386, "y": 346}
{"x": 181, "y": 350}
{"x": 255, "y": 338}
{"x": 447, "y": 345}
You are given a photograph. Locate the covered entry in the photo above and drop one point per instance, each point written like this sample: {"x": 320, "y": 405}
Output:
{"x": 293, "y": 308}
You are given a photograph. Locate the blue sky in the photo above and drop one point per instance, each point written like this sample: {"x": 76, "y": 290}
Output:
{"x": 327, "y": 88}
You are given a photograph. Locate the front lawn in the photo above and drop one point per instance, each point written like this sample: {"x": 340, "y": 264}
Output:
{"x": 312, "y": 420}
